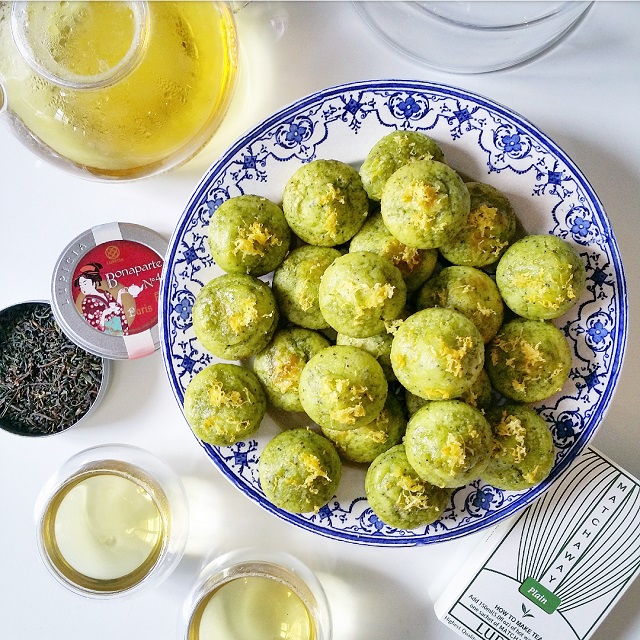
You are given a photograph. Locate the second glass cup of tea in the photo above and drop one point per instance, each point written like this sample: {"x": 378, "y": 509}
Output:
{"x": 257, "y": 594}
{"x": 116, "y": 90}
{"x": 114, "y": 518}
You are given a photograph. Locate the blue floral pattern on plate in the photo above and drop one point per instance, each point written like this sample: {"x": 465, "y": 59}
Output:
{"x": 481, "y": 139}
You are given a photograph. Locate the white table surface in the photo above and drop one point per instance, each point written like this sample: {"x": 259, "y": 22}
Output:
{"x": 584, "y": 94}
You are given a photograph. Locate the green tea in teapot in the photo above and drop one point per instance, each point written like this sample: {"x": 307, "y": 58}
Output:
{"x": 118, "y": 89}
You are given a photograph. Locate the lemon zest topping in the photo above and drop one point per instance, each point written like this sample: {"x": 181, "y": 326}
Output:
{"x": 454, "y": 451}
{"x": 378, "y": 435}
{"x": 253, "y": 240}
{"x": 306, "y": 298}
{"x": 433, "y": 394}
{"x": 571, "y": 294}
{"x": 331, "y": 225}
{"x": 219, "y": 397}
{"x": 532, "y": 356}
{"x": 328, "y": 199}
{"x": 423, "y": 195}
{"x": 536, "y": 286}
{"x": 412, "y": 494}
{"x": 484, "y": 311}
{"x": 482, "y": 221}
{"x": 511, "y": 426}
{"x": 314, "y": 470}
{"x": 404, "y": 257}
{"x": 331, "y": 194}
{"x": 532, "y": 476}
{"x": 519, "y": 453}
{"x": 527, "y": 358}
{"x": 392, "y": 325}
{"x": 454, "y": 357}
{"x": 348, "y": 415}
{"x": 228, "y": 424}
{"x": 498, "y": 246}
{"x": 333, "y": 389}
{"x": 464, "y": 288}
{"x": 400, "y": 360}
{"x": 243, "y": 317}
{"x": 375, "y": 296}
{"x": 286, "y": 373}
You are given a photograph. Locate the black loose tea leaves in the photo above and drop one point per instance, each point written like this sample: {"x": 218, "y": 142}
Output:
{"x": 47, "y": 383}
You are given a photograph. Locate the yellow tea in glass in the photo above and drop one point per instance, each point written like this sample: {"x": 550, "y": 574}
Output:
{"x": 259, "y": 595}
{"x": 108, "y": 525}
{"x": 117, "y": 89}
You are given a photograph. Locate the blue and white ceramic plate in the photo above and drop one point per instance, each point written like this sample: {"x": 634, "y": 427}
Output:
{"x": 481, "y": 139}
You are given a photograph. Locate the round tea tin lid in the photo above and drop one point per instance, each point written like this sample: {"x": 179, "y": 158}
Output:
{"x": 105, "y": 289}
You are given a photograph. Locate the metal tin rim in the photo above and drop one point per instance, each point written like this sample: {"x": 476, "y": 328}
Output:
{"x": 105, "y": 378}
{"x": 64, "y": 311}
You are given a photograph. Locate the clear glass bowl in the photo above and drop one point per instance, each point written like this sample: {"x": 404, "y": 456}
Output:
{"x": 473, "y": 37}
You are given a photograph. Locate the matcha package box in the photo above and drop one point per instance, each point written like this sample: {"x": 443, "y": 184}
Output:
{"x": 554, "y": 571}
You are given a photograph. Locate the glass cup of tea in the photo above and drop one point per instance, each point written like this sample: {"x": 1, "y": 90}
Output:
{"x": 116, "y": 90}
{"x": 112, "y": 519}
{"x": 257, "y": 594}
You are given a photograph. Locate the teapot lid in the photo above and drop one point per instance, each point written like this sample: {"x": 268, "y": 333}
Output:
{"x": 39, "y": 32}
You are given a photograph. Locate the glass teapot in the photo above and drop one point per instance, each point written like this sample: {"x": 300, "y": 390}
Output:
{"x": 116, "y": 90}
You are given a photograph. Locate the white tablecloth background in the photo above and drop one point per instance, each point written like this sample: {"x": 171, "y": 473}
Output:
{"x": 584, "y": 94}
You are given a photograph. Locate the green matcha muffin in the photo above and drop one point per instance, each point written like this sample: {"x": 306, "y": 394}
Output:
{"x": 224, "y": 403}
{"x": 364, "y": 444}
{"x": 398, "y": 496}
{"x": 416, "y": 265}
{"x": 479, "y": 395}
{"x": 469, "y": 291}
{"x": 360, "y": 292}
{"x": 414, "y": 402}
{"x": 234, "y": 316}
{"x": 280, "y": 365}
{"x": 379, "y": 346}
{"x": 487, "y": 232}
{"x": 523, "y": 453}
{"x": 437, "y": 354}
{"x": 425, "y": 204}
{"x": 248, "y": 234}
{"x": 392, "y": 152}
{"x": 343, "y": 388}
{"x": 296, "y": 283}
{"x": 540, "y": 277}
{"x": 528, "y": 360}
{"x": 449, "y": 443}
{"x": 325, "y": 203}
{"x": 299, "y": 470}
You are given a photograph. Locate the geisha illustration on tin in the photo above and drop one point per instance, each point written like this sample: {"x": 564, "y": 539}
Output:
{"x": 106, "y": 309}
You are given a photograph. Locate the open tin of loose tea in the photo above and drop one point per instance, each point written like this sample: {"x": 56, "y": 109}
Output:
{"x": 47, "y": 382}
{"x": 105, "y": 289}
